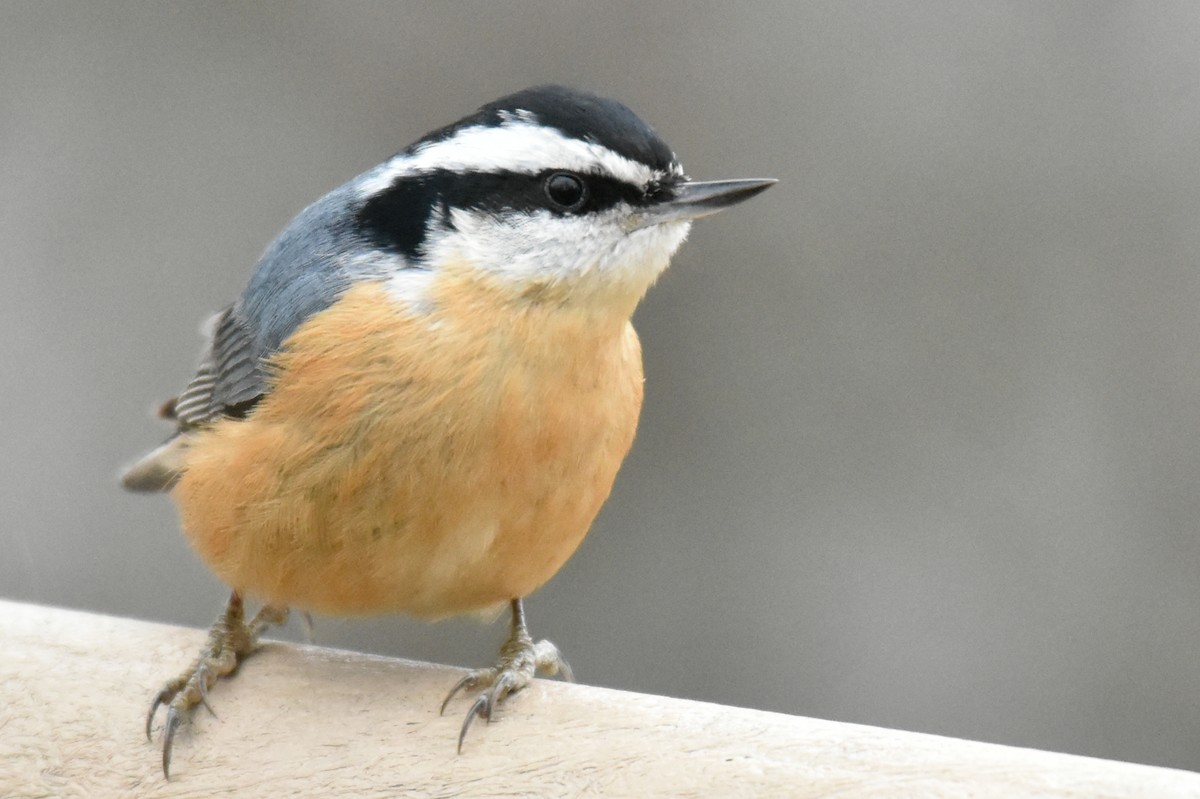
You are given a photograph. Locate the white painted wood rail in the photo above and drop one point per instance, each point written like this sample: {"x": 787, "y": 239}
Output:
{"x": 307, "y": 721}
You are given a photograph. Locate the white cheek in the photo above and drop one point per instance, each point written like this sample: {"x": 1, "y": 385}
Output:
{"x": 651, "y": 247}
{"x": 591, "y": 252}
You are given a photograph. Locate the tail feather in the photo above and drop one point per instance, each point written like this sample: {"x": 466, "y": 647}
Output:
{"x": 159, "y": 469}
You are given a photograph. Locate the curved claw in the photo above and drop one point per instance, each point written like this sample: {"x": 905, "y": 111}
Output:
{"x": 150, "y": 716}
{"x": 161, "y": 699}
{"x": 230, "y": 640}
{"x": 465, "y": 683}
{"x": 485, "y": 704}
{"x": 174, "y": 720}
{"x": 477, "y": 709}
{"x": 521, "y": 660}
{"x": 202, "y": 684}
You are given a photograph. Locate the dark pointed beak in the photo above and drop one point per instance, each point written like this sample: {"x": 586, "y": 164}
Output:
{"x": 693, "y": 200}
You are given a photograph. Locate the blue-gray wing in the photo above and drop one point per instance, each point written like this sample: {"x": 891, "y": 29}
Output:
{"x": 302, "y": 272}
{"x": 230, "y": 378}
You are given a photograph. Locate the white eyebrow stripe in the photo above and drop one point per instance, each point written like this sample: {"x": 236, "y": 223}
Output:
{"x": 514, "y": 146}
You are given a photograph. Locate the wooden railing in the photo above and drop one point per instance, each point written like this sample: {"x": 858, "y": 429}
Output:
{"x": 307, "y": 721}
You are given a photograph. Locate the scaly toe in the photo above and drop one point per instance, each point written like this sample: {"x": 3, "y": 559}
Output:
{"x": 475, "y": 679}
{"x": 548, "y": 661}
{"x": 230, "y": 640}
{"x": 520, "y": 662}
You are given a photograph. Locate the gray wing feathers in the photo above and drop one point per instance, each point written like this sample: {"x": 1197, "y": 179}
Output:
{"x": 302, "y": 272}
{"x": 238, "y": 361}
{"x": 229, "y": 376}
{"x": 228, "y": 380}
{"x": 194, "y": 405}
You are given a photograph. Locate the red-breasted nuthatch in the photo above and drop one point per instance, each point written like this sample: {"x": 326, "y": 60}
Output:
{"x": 421, "y": 399}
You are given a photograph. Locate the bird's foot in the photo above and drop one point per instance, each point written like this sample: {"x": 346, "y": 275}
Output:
{"x": 521, "y": 659}
{"x": 230, "y": 640}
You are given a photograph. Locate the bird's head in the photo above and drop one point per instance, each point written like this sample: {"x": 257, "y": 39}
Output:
{"x": 548, "y": 192}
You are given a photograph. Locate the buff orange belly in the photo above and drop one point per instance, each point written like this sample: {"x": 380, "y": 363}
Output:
{"x": 431, "y": 463}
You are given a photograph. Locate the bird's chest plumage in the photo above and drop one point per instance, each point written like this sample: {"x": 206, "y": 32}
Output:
{"x": 434, "y": 462}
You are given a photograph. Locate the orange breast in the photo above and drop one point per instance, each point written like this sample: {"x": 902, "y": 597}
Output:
{"x": 431, "y": 463}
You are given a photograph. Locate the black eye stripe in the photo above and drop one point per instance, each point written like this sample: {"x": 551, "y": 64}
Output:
{"x": 515, "y": 191}
{"x": 397, "y": 217}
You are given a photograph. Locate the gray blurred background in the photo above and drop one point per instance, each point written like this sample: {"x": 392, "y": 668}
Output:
{"x": 921, "y": 438}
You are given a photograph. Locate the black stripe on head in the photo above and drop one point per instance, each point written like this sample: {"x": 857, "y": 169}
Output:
{"x": 397, "y": 218}
{"x": 577, "y": 114}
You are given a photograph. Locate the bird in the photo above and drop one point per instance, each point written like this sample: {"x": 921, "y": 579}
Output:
{"x": 422, "y": 397}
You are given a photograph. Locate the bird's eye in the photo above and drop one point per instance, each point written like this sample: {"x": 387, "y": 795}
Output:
{"x": 566, "y": 191}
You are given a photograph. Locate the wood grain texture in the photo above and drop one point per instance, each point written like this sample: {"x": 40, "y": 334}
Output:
{"x": 306, "y": 721}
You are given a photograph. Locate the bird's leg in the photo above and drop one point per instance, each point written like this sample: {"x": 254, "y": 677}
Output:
{"x": 521, "y": 659}
{"x": 230, "y": 640}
